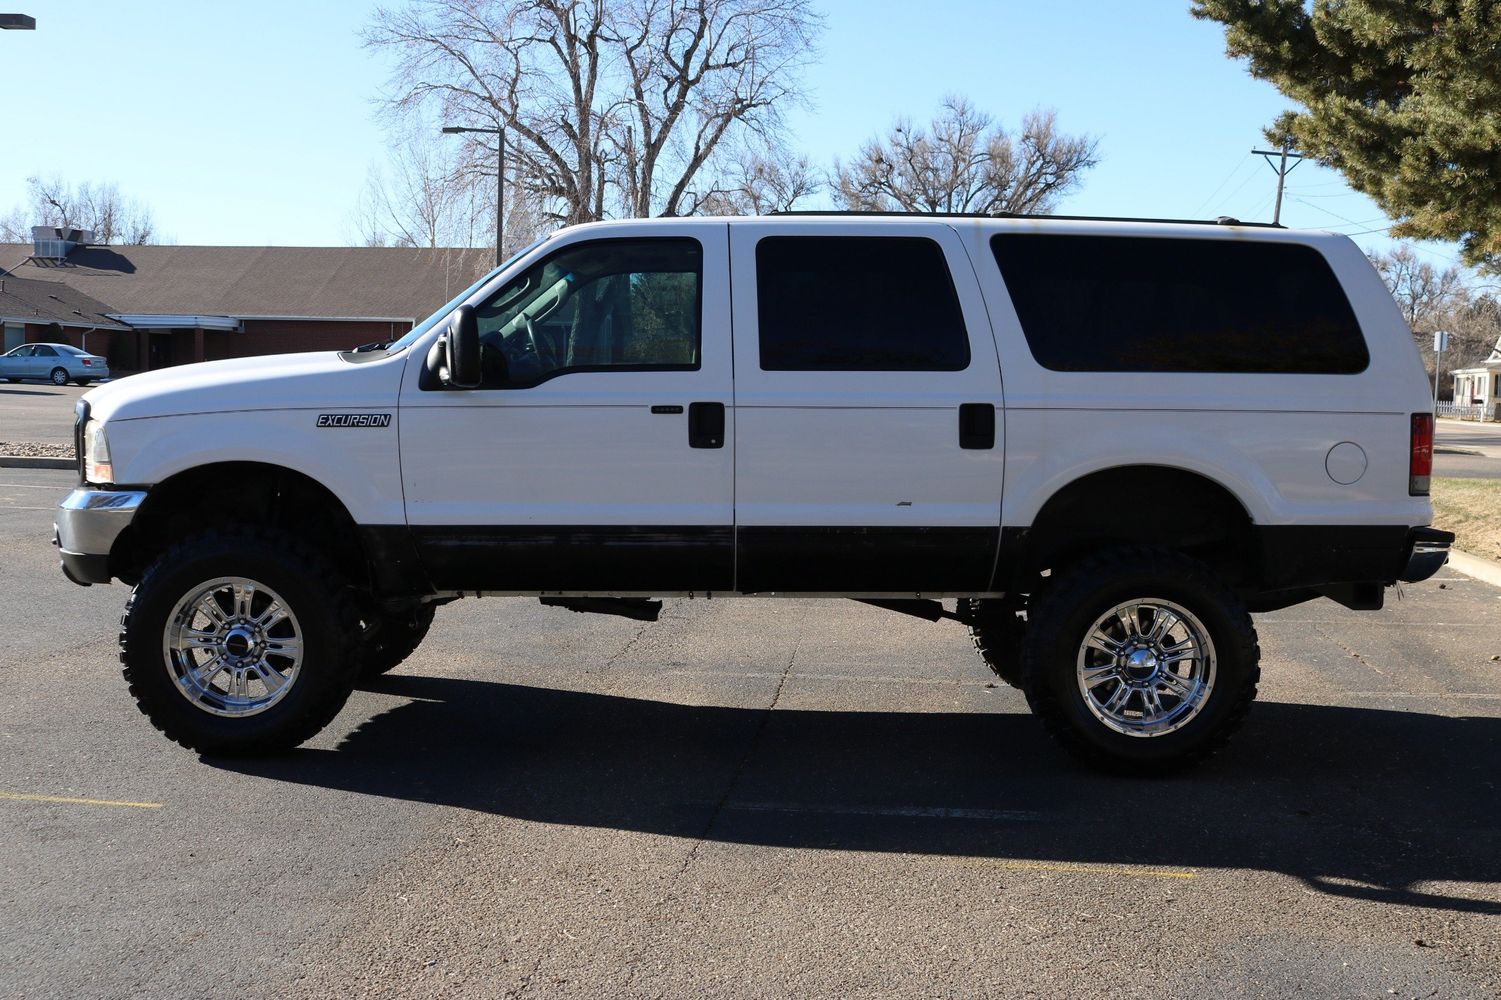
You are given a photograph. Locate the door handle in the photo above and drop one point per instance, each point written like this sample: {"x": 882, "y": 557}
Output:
{"x": 976, "y": 425}
{"x": 706, "y": 425}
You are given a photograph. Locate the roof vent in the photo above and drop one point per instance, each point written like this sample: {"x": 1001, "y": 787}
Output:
{"x": 56, "y": 242}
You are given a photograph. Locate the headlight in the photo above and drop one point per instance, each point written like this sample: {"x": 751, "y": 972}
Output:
{"x": 96, "y": 463}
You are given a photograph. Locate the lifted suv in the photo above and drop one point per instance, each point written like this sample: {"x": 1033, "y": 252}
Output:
{"x": 1108, "y": 442}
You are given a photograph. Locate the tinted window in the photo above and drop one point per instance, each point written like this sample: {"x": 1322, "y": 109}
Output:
{"x": 838, "y": 303}
{"x": 43, "y": 351}
{"x": 628, "y": 304}
{"x": 1124, "y": 304}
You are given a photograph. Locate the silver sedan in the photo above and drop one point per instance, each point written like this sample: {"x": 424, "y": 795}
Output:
{"x": 55, "y": 363}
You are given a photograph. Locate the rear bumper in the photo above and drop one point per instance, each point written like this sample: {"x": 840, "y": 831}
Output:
{"x": 1428, "y": 549}
{"x": 87, "y": 523}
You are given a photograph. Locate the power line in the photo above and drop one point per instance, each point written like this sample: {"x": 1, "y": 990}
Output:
{"x": 1347, "y": 221}
{"x": 1228, "y": 178}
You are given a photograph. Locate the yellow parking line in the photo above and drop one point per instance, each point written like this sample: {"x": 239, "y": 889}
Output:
{"x": 66, "y": 800}
{"x": 1043, "y": 866}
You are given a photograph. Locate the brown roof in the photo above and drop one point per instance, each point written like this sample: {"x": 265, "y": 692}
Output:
{"x": 24, "y": 300}
{"x": 321, "y": 282}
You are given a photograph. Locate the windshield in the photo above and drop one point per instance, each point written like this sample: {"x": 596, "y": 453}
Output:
{"x": 453, "y": 303}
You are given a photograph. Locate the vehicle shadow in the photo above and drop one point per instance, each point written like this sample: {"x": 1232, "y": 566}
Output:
{"x": 11, "y": 390}
{"x": 1358, "y": 803}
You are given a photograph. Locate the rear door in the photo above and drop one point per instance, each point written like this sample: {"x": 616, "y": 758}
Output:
{"x": 869, "y": 439}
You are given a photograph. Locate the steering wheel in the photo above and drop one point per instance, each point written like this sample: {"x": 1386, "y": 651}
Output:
{"x": 531, "y": 340}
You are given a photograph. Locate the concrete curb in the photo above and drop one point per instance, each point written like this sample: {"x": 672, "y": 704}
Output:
{"x": 1482, "y": 569}
{"x": 35, "y": 462}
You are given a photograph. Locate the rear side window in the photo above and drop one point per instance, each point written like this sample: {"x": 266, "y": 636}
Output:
{"x": 842, "y": 303}
{"x": 1128, "y": 304}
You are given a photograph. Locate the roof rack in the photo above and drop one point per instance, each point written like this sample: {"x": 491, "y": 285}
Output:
{"x": 1223, "y": 220}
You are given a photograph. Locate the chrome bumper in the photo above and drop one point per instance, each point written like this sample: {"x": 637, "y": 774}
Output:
{"x": 88, "y": 522}
{"x": 1428, "y": 550}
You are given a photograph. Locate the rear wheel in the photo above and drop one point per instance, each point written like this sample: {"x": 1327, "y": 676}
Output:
{"x": 59, "y": 376}
{"x": 1140, "y": 659}
{"x": 239, "y": 642}
{"x": 82, "y": 381}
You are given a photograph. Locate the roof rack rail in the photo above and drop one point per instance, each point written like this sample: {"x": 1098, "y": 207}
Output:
{"x": 1223, "y": 220}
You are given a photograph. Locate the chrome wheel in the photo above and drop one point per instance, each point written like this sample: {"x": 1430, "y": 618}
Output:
{"x": 1146, "y": 667}
{"x": 233, "y": 647}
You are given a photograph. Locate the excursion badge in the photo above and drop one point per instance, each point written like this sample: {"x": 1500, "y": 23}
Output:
{"x": 354, "y": 420}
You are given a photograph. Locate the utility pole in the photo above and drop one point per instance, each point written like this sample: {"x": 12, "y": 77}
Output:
{"x": 1440, "y": 344}
{"x": 1282, "y": 171}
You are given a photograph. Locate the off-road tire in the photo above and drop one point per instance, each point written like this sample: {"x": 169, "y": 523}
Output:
{"x": 59, "y": 376}
{"x": 395, "y": 637}
{"x": 321, "y": 600}
{"x": 1060, "y": 619}
{"x": 997, "y": 630}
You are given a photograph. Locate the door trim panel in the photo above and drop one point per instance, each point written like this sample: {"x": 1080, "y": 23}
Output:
{"x": 577, "y": 558}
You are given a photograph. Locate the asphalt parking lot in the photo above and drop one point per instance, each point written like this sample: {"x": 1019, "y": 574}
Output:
{"x": 38, "y": 412}
{"x": 747, "y": 798}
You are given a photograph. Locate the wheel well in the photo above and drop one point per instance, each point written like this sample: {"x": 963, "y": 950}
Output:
{"x": 239, "y": 493}
{"x": 1144, "y": 504}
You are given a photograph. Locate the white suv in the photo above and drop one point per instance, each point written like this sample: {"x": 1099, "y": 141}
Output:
{"x": 1108, "y": 441}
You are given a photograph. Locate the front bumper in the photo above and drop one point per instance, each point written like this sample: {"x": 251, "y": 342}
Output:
{"x": 1427, "y": 552}
{"x": 88, "y": 522}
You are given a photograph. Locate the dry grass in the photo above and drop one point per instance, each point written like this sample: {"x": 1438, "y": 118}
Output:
{"x": 1471, "y": 508}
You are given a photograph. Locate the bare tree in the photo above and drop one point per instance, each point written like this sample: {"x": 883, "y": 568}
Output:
{"x": 963, "y": 162}
{"x": 610, "y": 106}
{"x": 1474, "y": 326}
{"x": 758, "y": 184}
{"x": 99, "y": 207}
{"x": 1440, "y": 299}
{"x": 422, "y": 199}
{"x": 432, "y": 194}
{"x": 1422, "y": 292}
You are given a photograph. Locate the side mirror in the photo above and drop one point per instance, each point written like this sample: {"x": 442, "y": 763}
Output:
{"x": 463, "y": 350}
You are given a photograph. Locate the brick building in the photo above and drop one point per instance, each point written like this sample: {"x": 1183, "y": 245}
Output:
{"x": 153, "y": 306}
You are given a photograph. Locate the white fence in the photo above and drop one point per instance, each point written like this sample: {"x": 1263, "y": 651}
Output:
{"x": 1469, "y": 412}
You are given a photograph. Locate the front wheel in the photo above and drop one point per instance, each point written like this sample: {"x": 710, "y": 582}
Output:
{"x": 239, "y": 642}
{"x": 82, "y": 382}
{"x": 395, "y": 637}
{"x": 1140, "y": 660}
{"x": 59, "y": 376}
{"x": 996, "y": 628}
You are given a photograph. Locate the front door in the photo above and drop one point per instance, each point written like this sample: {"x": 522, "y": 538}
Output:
{"x": 598, "y": 454}
{"x": 869, "y": 434}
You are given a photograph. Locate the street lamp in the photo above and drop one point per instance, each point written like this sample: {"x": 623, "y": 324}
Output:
{"x": 17, "y": 22}
{"x": 500, "y": 183}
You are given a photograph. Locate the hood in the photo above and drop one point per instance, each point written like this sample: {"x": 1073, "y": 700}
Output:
{"x": 273, "y": 382}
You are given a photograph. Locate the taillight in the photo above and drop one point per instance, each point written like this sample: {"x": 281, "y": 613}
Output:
{"x": 88, "y": 362}
{"x": 1420, "y": 460}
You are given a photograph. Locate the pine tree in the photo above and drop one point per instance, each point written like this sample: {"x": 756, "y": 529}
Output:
{"x": 1401, "y": 96}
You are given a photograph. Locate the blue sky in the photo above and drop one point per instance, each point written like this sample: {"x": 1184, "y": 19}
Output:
{"x": 255, "y": 124}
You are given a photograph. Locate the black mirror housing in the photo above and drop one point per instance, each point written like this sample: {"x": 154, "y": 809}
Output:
{"x": 463, "y": 350}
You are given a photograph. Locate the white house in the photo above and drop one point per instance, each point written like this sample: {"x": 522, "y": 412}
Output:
{"x": 1481, "y": 386}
